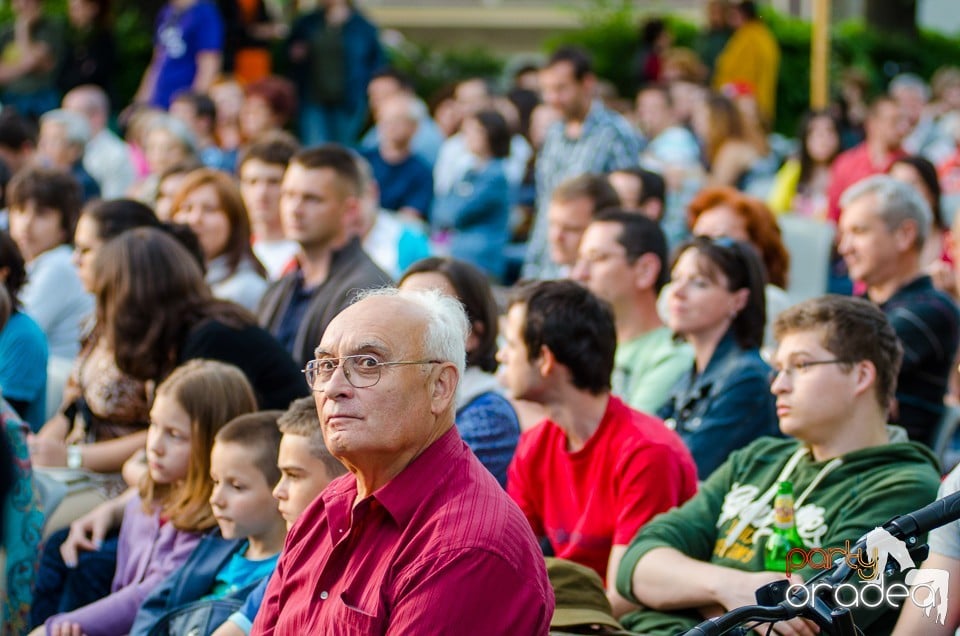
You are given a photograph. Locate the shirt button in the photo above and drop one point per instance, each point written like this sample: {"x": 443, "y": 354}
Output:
{"x": 324, "y": 595}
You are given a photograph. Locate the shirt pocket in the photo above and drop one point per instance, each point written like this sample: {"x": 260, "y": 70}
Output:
{"x": 352, "y": 620}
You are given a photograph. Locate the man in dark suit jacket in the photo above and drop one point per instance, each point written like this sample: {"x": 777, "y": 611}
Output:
{"x": 319, "y": 204}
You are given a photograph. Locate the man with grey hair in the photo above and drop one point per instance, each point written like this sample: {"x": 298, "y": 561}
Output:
{"x": 106, "y": 156}
{"x": 924, "y": 136}
{"x": 418, "y": 538}
{"x": 61, "y": 144}
{"x": 882, "y": 230}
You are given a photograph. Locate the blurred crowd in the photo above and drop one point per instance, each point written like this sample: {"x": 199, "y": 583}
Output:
{"x": 642, "y": 287}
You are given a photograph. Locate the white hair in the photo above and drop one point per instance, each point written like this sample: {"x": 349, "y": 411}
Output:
{"x": 175, "y": 127}
{"x": 896, "y": 202}
{"x": 447, "y": 328}
{"x": 75, "y": 126}
{"x": 909, "y": 81}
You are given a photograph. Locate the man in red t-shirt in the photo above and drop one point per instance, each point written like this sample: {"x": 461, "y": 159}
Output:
{"x": 885, "y": 127}
{"x": 595, "y": 470}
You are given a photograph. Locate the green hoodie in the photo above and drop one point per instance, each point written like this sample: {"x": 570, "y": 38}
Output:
{"x": 727, "y": 522}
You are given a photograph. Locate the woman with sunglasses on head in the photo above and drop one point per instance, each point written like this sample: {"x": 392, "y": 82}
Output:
{"x": 716, "y": 302}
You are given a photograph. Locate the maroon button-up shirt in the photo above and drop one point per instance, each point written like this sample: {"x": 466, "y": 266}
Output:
{"x": 440, "y": 549}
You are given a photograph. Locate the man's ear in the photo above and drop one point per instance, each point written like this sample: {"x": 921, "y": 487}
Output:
{"x": 444, "y": 388}
{"x": 646, "y": 270}
{"x": 352, "y": 214}
{"x": 865, "y": 375}
{"x": 905, "y": 236}
{"x": 547, "y": 362}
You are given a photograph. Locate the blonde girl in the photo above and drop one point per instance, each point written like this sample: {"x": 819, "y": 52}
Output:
{"x": 164, "y": 518}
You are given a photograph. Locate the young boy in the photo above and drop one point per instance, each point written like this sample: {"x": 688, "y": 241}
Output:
{"x": 306, "y": 467}
{"x": 231, "y": 563}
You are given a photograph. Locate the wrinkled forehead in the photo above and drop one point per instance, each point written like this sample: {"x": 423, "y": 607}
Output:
{"x": 388, "y": 326}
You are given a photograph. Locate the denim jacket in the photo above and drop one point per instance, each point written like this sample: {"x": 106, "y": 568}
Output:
{"x": 725, "y": 407}
{"x": 189, "y": 583}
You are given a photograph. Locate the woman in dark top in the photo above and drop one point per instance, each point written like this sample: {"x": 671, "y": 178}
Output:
{"x": 154, "y": 311}
{"x": 157, "y": 312}
{"x": 90, "y": 49}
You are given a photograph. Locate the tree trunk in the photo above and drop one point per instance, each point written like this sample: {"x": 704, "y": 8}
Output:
{"x": 892, "y": 16}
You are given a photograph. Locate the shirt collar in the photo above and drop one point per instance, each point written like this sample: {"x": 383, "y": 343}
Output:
{"x": 403, "y": 494}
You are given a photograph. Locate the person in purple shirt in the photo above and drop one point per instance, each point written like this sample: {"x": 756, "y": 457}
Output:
{"x": 187, "y": 53}
{"x": 418, "y": 538}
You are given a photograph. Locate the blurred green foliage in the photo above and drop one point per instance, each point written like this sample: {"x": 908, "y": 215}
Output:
{"x": 610, "y": 30}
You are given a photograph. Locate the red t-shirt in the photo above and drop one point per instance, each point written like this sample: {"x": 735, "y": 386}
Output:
{"x": 631, "y": 469}
{"x": 850, "y": 167}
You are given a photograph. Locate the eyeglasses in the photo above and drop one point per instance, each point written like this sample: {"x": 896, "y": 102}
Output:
{"x": 792, "y": 369}
{"x": 362, "y": 371}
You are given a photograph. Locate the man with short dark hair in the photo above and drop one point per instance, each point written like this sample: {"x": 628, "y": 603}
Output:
{"x": 883, "y": 228}
{"x": 640, "y": 191}
{"x": 319, "y": 203}
{"x": 573, "y": 205}
{"x": 623, "y": 260}
{"x": 595, "y": 470}
{"x": 885, "y": 129}
{"x": 836, "y": 368}
{"x": 589, "y": 139}
{"x": 260, "y": 171}
{"x": 199, "y": 113}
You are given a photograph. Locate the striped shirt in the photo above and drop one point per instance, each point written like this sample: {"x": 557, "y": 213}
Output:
{"x": 927, "y": 322}
{"x": 607, "y": 142}
{"x": 439, "y": 549}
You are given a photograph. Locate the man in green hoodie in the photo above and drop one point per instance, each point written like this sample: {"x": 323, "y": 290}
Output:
{"x": 836, "y": 369}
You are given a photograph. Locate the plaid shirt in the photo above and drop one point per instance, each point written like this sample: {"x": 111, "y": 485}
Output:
{"x": 607, "y": 142}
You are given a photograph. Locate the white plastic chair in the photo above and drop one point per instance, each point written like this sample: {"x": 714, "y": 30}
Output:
{"x": 809, "y": 243}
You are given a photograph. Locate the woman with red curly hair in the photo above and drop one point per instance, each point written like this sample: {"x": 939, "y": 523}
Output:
{"x": 723, "y": 211}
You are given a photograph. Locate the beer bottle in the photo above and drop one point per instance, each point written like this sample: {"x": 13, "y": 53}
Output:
{"x": 783, "y": 533}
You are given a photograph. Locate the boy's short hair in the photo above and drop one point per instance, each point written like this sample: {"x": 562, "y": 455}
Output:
{"x": 259, "y": 433}
{"x": 301, "y": 419}
{"x": 48, "y": 188}
{"x": 275, "y": 147}
{"x": 854, "y": 329}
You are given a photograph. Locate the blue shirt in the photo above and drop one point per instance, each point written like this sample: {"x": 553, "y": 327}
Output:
{"x": 180, "y": 37}
{"x": 293, "y": 315}
{"x": 476, "y": 211}
{"x": 23, "y": 367}
{"x": 243, "y": 618}
{"x": 408, "y": 184}
{"x": 240, "y": 572}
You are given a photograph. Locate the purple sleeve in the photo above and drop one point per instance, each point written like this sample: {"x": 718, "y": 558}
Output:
{"x": 114, "y": 613}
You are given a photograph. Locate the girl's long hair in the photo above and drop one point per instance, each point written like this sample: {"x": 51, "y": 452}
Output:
{"x": 212, "y": 393}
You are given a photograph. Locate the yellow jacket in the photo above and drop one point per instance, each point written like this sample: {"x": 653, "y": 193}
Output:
{"x": 752, "y": 55}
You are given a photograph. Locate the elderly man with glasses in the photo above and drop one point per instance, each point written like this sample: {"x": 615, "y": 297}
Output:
{"x": 418, "y": 538}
